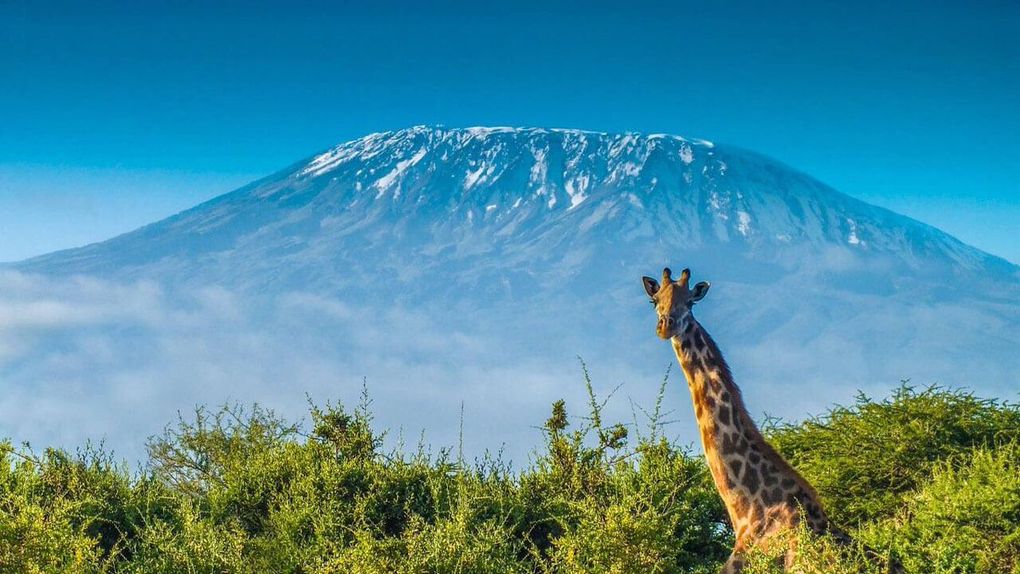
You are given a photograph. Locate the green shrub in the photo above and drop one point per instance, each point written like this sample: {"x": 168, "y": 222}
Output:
{"x": 815, "y": 555}
{"x": 865, "y": 459}
{"x": 966, "y": 519}
{"x": 931, "y": 476}
{"x": 52, "y": 514}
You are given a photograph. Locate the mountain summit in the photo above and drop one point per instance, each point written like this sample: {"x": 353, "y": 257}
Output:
{"x": 517, "y": 200}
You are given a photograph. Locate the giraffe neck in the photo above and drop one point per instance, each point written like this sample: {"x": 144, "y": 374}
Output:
{"x": 755, "y": 483}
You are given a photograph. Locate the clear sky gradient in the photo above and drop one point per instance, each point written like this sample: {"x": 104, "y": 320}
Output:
{"x": 112, "y": 116}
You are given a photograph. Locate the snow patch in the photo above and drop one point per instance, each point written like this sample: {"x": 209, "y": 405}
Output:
{"x": 686, "y": 154}
{"x": 622, "y": 146}
{"x": 384, "y": 182}
{"x": 628, "y": 169}
{"x": 472, "y": 177}
{"x": 481, "y": 174}
{"x": 480, "y": 132}
{"x": 364, "y": 148}
{"x": 328, "y": 161}
{"x": 577, "y": 189}
{"x": 718, "y": 205}
{"x": 852, "y": 238}
{"x": 743, "y": 222}
{"x": 540, "y": 170}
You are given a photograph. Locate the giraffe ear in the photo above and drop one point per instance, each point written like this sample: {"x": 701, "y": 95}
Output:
{"x": 651, "y": 286}
{"x": 699, "y": 291}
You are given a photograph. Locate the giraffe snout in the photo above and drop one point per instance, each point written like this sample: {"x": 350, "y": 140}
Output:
{"x": 665, "y": 326}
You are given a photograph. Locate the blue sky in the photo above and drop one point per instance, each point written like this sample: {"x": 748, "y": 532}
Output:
{"x": 114, "y": 116}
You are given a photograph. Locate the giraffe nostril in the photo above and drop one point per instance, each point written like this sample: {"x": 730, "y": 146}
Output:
{"x": 665, "y": 324}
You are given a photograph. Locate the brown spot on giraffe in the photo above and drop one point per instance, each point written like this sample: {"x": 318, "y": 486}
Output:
{"x": 728, "y": 446}
{"x": 750, "y": 480}
{"x": 723, "y": 414}
{"x": 736, "y": 466}
{"x": 763, "y": 494}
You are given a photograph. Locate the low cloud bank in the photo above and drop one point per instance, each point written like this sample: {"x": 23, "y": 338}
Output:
{"x": 88, "y": 359}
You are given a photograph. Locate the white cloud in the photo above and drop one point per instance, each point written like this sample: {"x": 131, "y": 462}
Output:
{"x": 90, "y": 359}
{"x": 93, "y": 359}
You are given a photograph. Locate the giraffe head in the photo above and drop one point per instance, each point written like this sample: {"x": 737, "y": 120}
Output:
{"x": 673, "y": 300}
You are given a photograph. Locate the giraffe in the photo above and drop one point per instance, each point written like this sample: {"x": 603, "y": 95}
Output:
{"x": 763, "y": 494}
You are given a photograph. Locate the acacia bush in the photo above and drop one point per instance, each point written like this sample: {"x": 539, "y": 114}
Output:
{"x": 865, "y": 459}
{"x": 930, "y": 476}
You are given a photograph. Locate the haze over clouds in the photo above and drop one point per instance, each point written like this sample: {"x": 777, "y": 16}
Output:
{"x": 99, "y": 360}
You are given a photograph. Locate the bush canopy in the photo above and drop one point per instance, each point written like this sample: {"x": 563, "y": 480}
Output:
{"x": 930, "y": 476}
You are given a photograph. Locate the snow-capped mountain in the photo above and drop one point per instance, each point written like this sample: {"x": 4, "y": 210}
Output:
{"x": 474, "y": 264}
{"x": 519, "y": 200}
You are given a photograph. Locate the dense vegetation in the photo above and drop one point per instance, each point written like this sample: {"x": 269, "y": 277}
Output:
{"x": 931, "y": 476}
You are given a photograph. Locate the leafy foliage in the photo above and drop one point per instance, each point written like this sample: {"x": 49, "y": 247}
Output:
{"x": 865, "y": 459}
{"x": 929, "y": 476}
